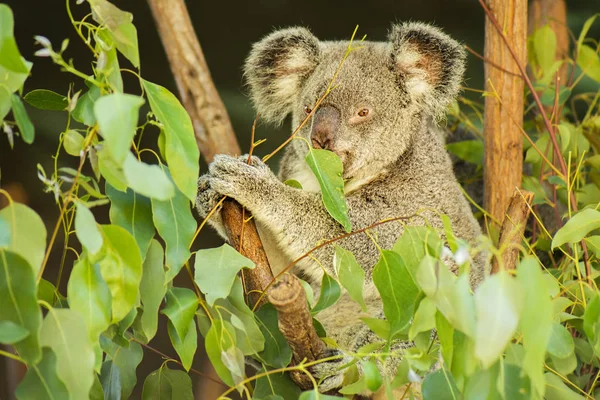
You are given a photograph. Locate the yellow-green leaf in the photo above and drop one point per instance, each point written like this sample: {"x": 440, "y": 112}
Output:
{"x": 577, "y": 227}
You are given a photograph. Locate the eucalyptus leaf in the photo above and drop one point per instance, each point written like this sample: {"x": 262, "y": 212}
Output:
{"x": 117, "y": 116}
{"x": 46, "y": 100}
{"x": 11, "y": 333}
{"x": 577, "y": 227}
{"x": 148, "y": 180}
{"x": 181, "y": 151}
{"x": 398, "y": 291}
{"x": 133, "y": 212}
{"x": 87, "y": 230}
{"x": 216, "y": 269}
{"x": 440, "y": 385}
{"x": 26, "y": 233}
{"x": 275, "y": 384}
{"x": 175, "y": 224}
{"x": 73, "y": 142}
{"x": 186, "y": 346}
{"x": 167, "y": 384}
{"x": 350, "y": 274}
{"x": 328, "y": 170}
{"x": 561, "y": 343}
{"x": 121, "y": 268}
{"x": 498, "y": 306}
{"x": 22, "y": 119}
{"x": 90, "y": 296}
{"x": 220, "y": 337}
{"x": 41, "y": 381}
{"x": 152, "y": 288}
{"x": 329, "y": 295}
{"x": 110, "y": 378}
{"x": 180, "y": 309}
{"x": 64, "y": 331}
{"x": 127, "y": 360}
{"x": 19, "y": 302}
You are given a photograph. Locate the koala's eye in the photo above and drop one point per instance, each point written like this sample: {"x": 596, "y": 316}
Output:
{"x": 364, "y": 112}
{"x": 307, "y": 110}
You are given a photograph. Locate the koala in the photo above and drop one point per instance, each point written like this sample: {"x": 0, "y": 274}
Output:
{"x": 381, "y": 120}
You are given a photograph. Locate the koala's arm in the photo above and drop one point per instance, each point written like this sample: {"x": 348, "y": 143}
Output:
{"x": 296, "y": 218}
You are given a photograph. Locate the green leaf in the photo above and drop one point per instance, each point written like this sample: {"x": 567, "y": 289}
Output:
{"x": 470, "y": 151}
{"x": 176, "y": 225}
{"x": 22, "y": 119}
{"x": 577, "y": 227}
{"x": 424, "y": 319}
{"x": 536, "y": 321}
{"x": 109, "y": 69}
{"x": 167, "y": 384}
{"x": 589, "y": 62}
{"x": 180, "y": 309}
{"x": 398, "y": 291}
{"x": 97, "y": 393}
{"x": 117, "y": 116}
{"x": 498, "y": 305}
{"x": 249, "y": 338}
{"x": 133, "y": 212}
{"x": 450, "y": 294}
{"x": 148, "y": 180}
{"x": 216, "y": 269}
{"x": 277, "y": 352}
{"x": 119, "y": 24}
{"x": 330, "y": 294}
{"x": 89, "y": 295}
{"x": 351, "y": 275}
{"x": 186, "y": 347}
{"x": 152, "y": 288}
{"x": 275, "y": 384}
{"x": 440, "y": 385}
{"x": 220, "y": 337}
{"x": 11, "y": 333}
{"x": 73, "y": 142}
{"x": 561, "y": 343}
{"x": 46, "y": 100}
{"x": 549, "y": 95}
{"x": 41, "y": 381}
{"x": 26, "y": 233}
{"x": 64, "y": 331}
{"x": 414, "y": 244}
{"x": 10, "y": 58}
{"x": 110, "y": 378}
{"x": 84, "y": 110}
{"x": 181, "y": 151}
{"x": 127, "y": 360}
{"x": 593, "y": 244}
{"x": 87, "y": 230}
{"x": 121, "y": 268}
{"x": 328, "y": 170}
{"x": 544, "y": 42}
{"x": 381, "y": 327}
{"x": 556, "y": 389}
{"x": 372, "y": 375}
{"x": 293, "y": 183}
{"x": 19, "y": 302}
{"x": 591, "y": 323}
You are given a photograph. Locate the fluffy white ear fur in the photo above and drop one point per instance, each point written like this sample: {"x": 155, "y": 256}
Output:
{"x": 430, "y": 63}
{"x": 276, "y": 69}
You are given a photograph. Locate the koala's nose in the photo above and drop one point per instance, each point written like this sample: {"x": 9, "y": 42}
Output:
{"x": 326, "y": 123}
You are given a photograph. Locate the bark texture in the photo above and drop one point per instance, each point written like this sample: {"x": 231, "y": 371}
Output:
{"x": 503, "y": 141}
{"x": 513, "y": 226}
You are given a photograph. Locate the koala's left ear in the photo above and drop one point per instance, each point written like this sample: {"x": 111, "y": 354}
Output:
{"x": 428, "y": 62}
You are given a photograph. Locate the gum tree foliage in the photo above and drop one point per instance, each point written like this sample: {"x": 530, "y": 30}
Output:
{"x": 530, "y": 333}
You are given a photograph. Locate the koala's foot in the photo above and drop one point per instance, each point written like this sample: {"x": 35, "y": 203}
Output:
{"x": 207, "y": 197}
{"x": 330, "y": 374}
{"x": 235, "y": 178}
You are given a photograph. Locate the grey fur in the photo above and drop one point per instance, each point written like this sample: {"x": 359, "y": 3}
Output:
{"x": 394, "y": 161}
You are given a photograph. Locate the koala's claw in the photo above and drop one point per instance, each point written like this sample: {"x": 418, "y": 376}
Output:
{"x": 207, "y": 197}
{"x": 330, "y": 373}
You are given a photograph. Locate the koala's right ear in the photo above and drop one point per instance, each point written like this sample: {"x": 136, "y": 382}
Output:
{"x": 276, "y": 69}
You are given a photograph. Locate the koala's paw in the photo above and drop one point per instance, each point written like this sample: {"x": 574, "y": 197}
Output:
{"x": 235, "y": 178}
{"x": 207, "y": 197}
{"x": 330, "y": 374}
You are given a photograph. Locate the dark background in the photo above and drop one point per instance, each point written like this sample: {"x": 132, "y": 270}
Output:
{"x": 226, "y": 30}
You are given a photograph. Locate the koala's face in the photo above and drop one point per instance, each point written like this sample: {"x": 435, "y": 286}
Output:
{"x": 380, "y": 98}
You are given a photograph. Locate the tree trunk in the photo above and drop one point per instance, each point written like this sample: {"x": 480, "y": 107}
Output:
{"x": 503, "y": 140}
